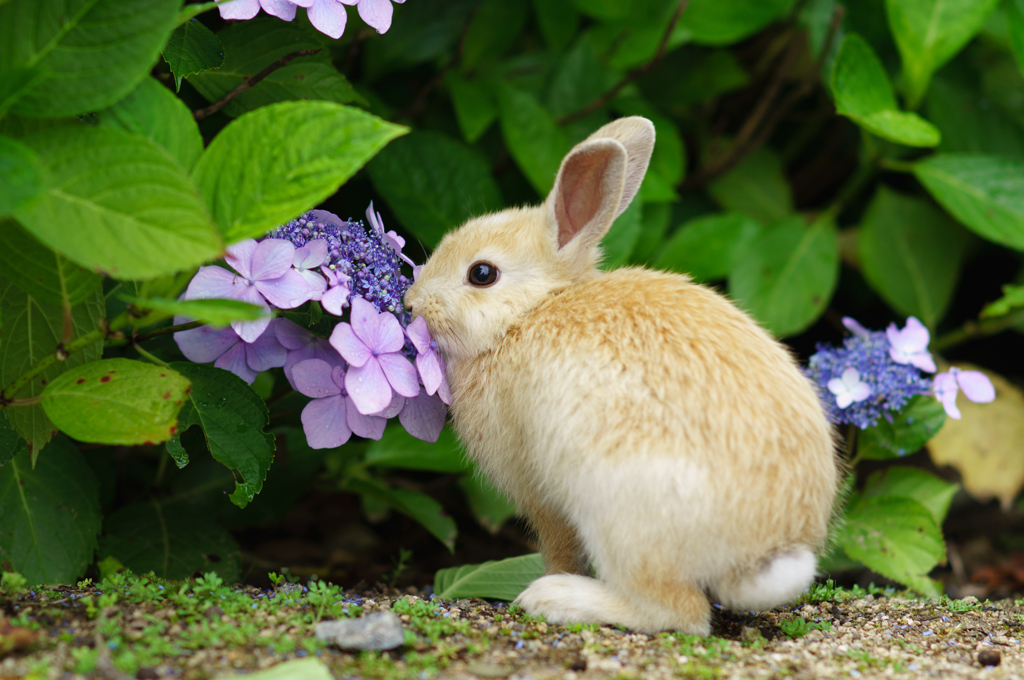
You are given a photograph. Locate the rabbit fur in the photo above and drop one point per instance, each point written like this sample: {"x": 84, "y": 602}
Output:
{"x": 646, "y": 427}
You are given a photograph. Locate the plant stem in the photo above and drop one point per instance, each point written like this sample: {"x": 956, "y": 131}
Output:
{"x": 147, "y": 355}
{"x": 166, "y": 330}
{"x": 851, "y": 444}
{"x": 972, "y": 330}
{"x": 896, "y": 166}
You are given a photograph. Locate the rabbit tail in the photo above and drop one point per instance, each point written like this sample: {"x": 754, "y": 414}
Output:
{"x": 780, "y": 580}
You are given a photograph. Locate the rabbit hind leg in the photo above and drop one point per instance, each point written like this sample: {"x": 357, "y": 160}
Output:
{"x": 775, "y": 582}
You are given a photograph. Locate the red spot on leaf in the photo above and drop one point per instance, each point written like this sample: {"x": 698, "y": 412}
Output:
{"x": 147, "y": 443}
{"x": 105, "y": 378}
{"x": 80, "y": 381}
{"x": 167, "y": 394}
{"x": 42, "y": 381}
{"x": 163, "y": 375}
{"x": 173, "y": 430}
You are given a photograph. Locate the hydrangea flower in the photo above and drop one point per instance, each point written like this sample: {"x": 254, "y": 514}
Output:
{"x": 336, "y": 297}
{"x": 372, "y": 344}
{"x": 301, "y": 345}
{"x": 423, "y": 416}
{"x": 910, "y": 345}
{"x": 229, "y": 351}
{"x": 848, "y": 388}
{"x": 975, "y": 385}
{"x": 327, "y": 16}
{"x": 332, "y": 417}
{"x": 428, "y": 362}
{"x": 307, "y": 260}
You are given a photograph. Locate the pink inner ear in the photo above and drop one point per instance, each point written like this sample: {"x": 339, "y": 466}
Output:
{"x": 580, "y": 192}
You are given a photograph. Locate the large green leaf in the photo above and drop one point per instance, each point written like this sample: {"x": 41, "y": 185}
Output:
{"x": 16, "y": 83}
{"x": 49, "y": 515}
{"x": 706, "y": 246}
{"x": 116, "y": 401}
{"x": 755, "y": 188}
{"x": 93, "y": 52}
{"x": 786, "y": 275}
{"x": 490, "y": 507}
{"x": 579, "y": 79}
{"x": 420, "y": 31}
{"x": 928, "y": 33}
{"x": 301, "y": 79}
{"x": 617, "y": 244}
{"x": 536, "y": 143}
{"x": 493, "y": 29}
{"x": 434, "y": 183}
{"x": 475, "y": 108}
{"x": 40, "y": 272}
{"x": 216, "y": 312}
{"x": 152, "y": 111}
{"x": 414, "y": 504}
{"x": 271, "y": 164}
{"x": 863, "y": 93}
{"x": 910, "y": 429}
{"x": 910, "y": 253}
{"x": 10, "y": 442}
{"x": 713, "y": 22}
{"x": 191, "y": 49}
{"x": 118, "y": 204}
{"x": 904, "y": 482}
{"x": 970, "y": 122}
{"x": 32, "y": 330}
{"x": 986, "y": 193}
{"x": 1013, "y": 298}
{"x": 232, "y": 418}
{"x": 398, "y": 448}
{"x": 557, "y": 20}
{"x": 171, "y": 539}
{"x": 896, "y": 537}
{"x": 21, "y": 176}
{"x": 501, "y": 580}
{"x": 1015, "y": 27}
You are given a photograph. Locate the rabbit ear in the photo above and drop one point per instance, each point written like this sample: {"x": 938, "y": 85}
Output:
{"x": 598, "y": 179}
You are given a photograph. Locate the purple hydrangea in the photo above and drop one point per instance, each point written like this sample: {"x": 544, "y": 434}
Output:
{"x": 227, "y": 350}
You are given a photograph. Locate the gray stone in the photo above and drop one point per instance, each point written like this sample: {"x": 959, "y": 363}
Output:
{"x": 374, "y": 632}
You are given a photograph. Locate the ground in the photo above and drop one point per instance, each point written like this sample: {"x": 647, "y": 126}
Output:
{"x": 147, "y": 628}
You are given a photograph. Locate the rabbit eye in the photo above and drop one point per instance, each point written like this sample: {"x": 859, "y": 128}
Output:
{"x": 482, "y": 274}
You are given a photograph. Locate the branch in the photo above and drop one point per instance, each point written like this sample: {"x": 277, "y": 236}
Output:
{"x": 166, "y": 330}
{"x": 632, "y": 75}
{"x": 249, "y": 82}
{"x": 973, "y": 330}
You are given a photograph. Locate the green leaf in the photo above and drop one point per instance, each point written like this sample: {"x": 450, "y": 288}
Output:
{"x": 31, "y": 330}
{"x": 434, "y": 183}
{"x": 15, "y": 83}
{"x": 910, "y": 253}
{"x": 706, "y": 246}
{"x": 490, "y": 507}
{"x": 249, "y": 47}
{"x": 297, "y": 81}
{"x": 176, "y": 451}
{"x": 10, "y": 443}
{"x": 653, "y": 226}
{"x": 785, "y": 276}
{"x": 557, "y": 20}
{"x": 171, "y": 539}
{"x": 755, "y": 188}
{"x": 863, "y": 93}
{"x": 493, "y": 30}
{"x": 93, "y": 52}
{"x": 398, "y": 448}
{"x": 420, "y": 32}
{"x": 617, "y": 244}
{"x": 579, "y": 79}
{"x": 985, "y": 193}
{"x": 474, "y": 106}
{"x": 1015, "y": 27}
{"x": 685, "y": 78}
{"x": 116, "y": 401}
{"x": 271, "y": 164}
{"x": 136, "y": 214}
{"x": 21, "y": 176}
{"x": 49, "y": 515}
{"x": 896, "y": 537}
{"x": 152, "y": 111}
{"x": 928, "y": 33}
{"x": 971, "y": 122}
{"x": 536, "y": 143}
{"x": 414, "y": 504}
{"x": 232, "y": 418}
{"x": 216, "y": 313}
{"x": 904, "y": 482}
{"x": 191, "y": 49}
{"x": 713, "y": 22}
{"x": 910, "y": 430}
{"x": 1013, "y": 298}
{"x": 40, "y": 272}
{"x": 501, "y": 580}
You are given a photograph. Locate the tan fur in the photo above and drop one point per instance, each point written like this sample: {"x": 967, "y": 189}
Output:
{"x": 643, "y": 424}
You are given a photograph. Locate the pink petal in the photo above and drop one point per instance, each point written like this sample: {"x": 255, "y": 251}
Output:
{"x": 311, "y": 255}
{"x": 324, "y": 422}
{"x": 213, "y": 283}
{"x": 287, "y": 291}
{"x": 430, "y": 371}
{"x": 318, "y": 349}
{"x": 317, "y": 284}
{"x": 312, "y": 377}
{"x": 239, "y": 257}
{"x": 354, "y": 350}
{"x": 282, "y": 9}
{"x": 923, "y": 361}
{"x": 392, "y": 339}
{"x": 292, "y": 335}
{"x": 366, "y": 323}
{"x": 328, "y": 17}
{"x": 335, "y": 277}
{"x": 239, "y": 9}
{"x": 418, "y": 333}
{"x": 394, "y": 408}
{"x": 205, "y": 344}
{"x": 334, "y": 300}
{"x": 234, "y": 360}
{"x": 400, "y": 373}
{"x": 368, "y": 387}
{"x": 423, "y": 417}
{"x": 272, "y": 258}
{"x": 376, "y": 13}
{"x": 304, "y": 3}
{"x": 266, "y": 352}
{"x": 945, "y": 388}
{"x": 370, "y": 427}
{"x": 444, "y": 391}
{"x": 250, "y": 330}
{"x": 854, "y": 327}
{"x": 976, "y": 386}
{"x": 374, "y": 219}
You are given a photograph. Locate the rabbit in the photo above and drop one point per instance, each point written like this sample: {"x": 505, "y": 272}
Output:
{"x": 647, "y": 428}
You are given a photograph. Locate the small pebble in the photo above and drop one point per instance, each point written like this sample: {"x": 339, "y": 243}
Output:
{"x": 989, "y": 657}
{"x": 375, "y": 632}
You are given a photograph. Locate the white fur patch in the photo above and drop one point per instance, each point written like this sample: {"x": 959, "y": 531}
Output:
{"x": 778, "y": 582}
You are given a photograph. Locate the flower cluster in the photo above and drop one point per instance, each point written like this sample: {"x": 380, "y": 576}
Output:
{"x": 373, "y": 367}
{"x": 875, "y": 373}
{"x": 327, "y": 16}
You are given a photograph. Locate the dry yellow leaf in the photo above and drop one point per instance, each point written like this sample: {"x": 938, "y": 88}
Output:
{"x": 987, "y": 445}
